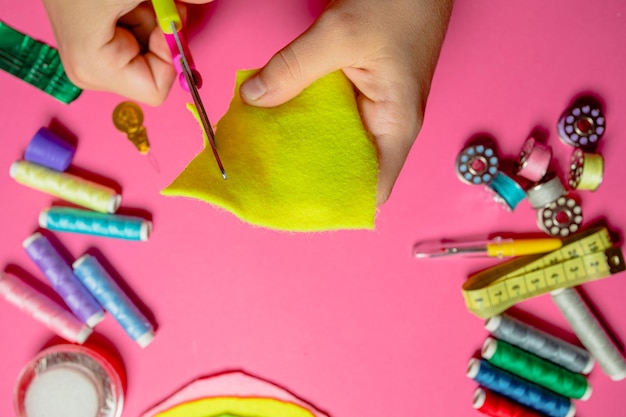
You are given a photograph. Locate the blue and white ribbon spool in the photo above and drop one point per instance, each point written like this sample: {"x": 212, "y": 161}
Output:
{"x": 477, "y": 164}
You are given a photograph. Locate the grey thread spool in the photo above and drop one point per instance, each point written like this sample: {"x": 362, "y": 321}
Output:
{"x": 590, "y": 332}
{"x": 545, "y": 192}
{"x": 540, "y": 343}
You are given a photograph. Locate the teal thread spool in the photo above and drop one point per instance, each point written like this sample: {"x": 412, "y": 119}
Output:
{"x": 65, "y": 219}
{"x": 536, "y": 369}
{"x": 506, "y": 191}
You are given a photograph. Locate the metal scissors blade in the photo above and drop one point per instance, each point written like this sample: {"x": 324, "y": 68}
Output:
{"x": 193, "y": 88}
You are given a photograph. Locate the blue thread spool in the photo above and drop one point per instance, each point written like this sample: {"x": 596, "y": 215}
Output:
{"x": 98, "y": 281}
{"x": 477, "y": 164}
{"x": 65, "y": 219}
{"x": 520, "y": 390}
{"x": 506, "y": 191}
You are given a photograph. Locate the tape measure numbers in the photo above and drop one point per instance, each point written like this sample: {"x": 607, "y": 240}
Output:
{"x": 583, "y": 257}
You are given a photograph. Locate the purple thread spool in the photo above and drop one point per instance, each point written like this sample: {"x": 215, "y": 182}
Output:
{"x": 48, "y": 149}
{"x": 63, "y": 280}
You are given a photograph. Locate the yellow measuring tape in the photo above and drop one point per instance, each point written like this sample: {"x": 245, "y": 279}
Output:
{"x": 583, "y": 257}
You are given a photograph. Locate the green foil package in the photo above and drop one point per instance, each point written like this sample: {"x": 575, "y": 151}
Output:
{"x": 36, "y": 63}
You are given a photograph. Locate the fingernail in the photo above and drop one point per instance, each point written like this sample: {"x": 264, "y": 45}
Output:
{"x": 253, "y": 89}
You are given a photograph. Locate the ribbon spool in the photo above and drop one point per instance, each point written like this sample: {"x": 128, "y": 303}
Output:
{"x": 506, "y": 191}
{"x": 582, "y": 125}
{"x": 586, "y": 170}
{"x": 534, "y": 160}
{"x": 545, "y": 192}
{"x": 561, "y": 217}
{"x": 477, "y": 164}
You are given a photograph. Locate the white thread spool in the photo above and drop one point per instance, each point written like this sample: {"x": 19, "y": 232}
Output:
{"x": 590, "y": 332}
{"x": 545, "y": 192}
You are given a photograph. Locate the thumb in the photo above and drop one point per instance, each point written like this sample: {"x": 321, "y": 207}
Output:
{"x": 317, "y": 52}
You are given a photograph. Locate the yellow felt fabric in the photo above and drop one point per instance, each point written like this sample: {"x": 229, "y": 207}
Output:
{"x": 307, "y": 165}
{"x": 240, "y": 406}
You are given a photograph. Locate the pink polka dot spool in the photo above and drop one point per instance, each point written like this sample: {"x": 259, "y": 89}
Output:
{"x": 534, "y": 160}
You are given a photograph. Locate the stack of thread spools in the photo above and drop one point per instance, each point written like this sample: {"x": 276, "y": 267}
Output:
{"x": 85, "y": 286}
{"x": 525, "y": 372}
{"x": 559, "y": 212}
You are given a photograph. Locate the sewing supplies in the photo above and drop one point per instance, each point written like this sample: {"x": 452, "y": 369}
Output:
{"x": 496, "y": 247}
{"x": 66, "y": 186}
{"x": 62, "y": 279}
{"x": 171, "y": 24}
{"x": 561, "y": 217}
{"x": 545, "y": 192}
{"x": 540, "y": 343}
{"x": 35, "y": 63}
{"x": 584, "y": 257}
{"x": 176, "y": 58}
{"x": 506, "y": 191}
{"x": 66, "y": 219}
{"x": 46, "y": 148}
{"x": 128, "y": 119}
{"x": 586, "y": 170}
{"x": 42, "y": 308}
{"x": 69, "y": 381}
{"x": 477, "y": 164}
{"x": 535, "y": 369}
{"x": 104, "y": 288}
{"x": 534, "y": 160}
{"x": 582, "y": 124}
{"x": 520, "y": 390}
{"x": 590, "y": 332}
{"x": 495, "y": 405}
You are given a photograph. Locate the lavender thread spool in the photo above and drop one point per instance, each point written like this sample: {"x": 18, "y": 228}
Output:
{"x": 48, "y": 149}
{"x": 63, "y": 280}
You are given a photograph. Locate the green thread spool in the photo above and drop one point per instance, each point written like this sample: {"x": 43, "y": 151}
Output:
{"x": 536, "y": 369}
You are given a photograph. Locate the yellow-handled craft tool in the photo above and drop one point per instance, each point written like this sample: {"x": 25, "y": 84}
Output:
{"x": 497, "y": 247}
{"x": 171, "y": 24}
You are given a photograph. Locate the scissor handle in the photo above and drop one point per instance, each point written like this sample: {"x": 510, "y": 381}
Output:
{"x": 167, "y": 13}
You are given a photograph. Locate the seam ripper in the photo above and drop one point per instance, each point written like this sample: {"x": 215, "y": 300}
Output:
{"x": 496, "y": 248}
{"x": 171, "y": 24}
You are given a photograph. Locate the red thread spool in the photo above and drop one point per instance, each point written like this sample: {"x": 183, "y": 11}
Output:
{"x": 495, "y": 405}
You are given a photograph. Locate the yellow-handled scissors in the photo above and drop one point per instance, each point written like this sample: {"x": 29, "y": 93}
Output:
{"x": 171, "y": 24}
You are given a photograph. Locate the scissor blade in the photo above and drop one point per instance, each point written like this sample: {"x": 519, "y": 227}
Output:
{"x": 193, "y": 88}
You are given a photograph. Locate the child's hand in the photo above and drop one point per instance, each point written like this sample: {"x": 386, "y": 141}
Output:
{"x": 114, "y": 45}
{"x": 388, "y": 49}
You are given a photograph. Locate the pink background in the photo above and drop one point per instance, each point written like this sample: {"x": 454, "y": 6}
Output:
{"x": 347, "y": 320}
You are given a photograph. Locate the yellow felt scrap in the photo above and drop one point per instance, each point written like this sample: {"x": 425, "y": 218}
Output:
{"x": 307, "y": 165}
{"x": 239, "y": 406}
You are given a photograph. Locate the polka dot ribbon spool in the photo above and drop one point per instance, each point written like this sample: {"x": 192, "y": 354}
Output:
{"x": 586, "y": 170}
{"x": 561, "y": 217}
{"x": 582, "y": 125}
{"x": 477, "y": 164}
{"x": 534, "y": 160}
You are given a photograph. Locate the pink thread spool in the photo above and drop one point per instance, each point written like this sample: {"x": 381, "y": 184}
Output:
{"x": 176, "y": 57}
{"x": 534, "y": 160}
{"x": 43, "y": 309}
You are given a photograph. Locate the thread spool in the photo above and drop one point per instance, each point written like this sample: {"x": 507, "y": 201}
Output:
{"x": 582, "y": 125}
{"x": 561, "y": 217}
{"x": 66, "y": 186}
{"x": 98, "y": 281}
{"x": 65, "y": 219}
{"x": 544, "y": 193}
{"x": 46, "y": 148}
{"x": 534, "y": 160}
{"x": 69, "y": 381}
{"x": 495, "y": 405}
{"x": 534, "y": 369}
{"x": 586, "y": 170}
{"x": 60, "y": 276}
{"x": 42, "y": 308}
{"x": 540, "y": 343}
{"x": 590, "y": 332}
{"x": 519, "y": 390}
{"x": 506, "y": 191}
{"x": 477, "y": 164}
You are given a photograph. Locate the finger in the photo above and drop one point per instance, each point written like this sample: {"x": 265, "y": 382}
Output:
{"x": 322, "y": 49}
{"x": 141, "y": 22}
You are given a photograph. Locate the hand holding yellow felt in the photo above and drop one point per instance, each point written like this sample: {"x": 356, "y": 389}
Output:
{"x": 166, "y": 13}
